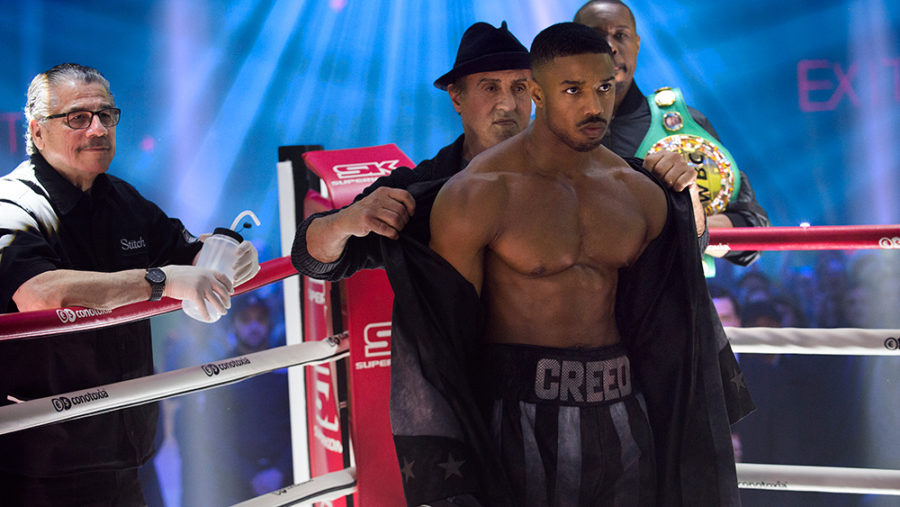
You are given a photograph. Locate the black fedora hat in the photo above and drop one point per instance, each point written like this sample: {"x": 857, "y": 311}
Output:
{"x": 484, "y": 48}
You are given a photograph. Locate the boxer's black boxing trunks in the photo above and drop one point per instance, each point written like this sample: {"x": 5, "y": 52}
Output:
{"x": 569, "y": 425}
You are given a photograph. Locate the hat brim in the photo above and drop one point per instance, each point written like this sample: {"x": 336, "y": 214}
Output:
{"x": 510, "y": 60}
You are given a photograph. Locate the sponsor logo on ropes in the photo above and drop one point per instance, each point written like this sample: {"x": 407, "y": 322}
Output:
{"x": 892, "y": 343}
{"x": 889, "y": 243}
{"x": 763, "y": 484}
{"x": 212, "y": 369}
{"x": 67, "y": 315}
{"x": 62, "y": 403}
{"x": 287, "y": 489}
{"x": 362, "y": 172}
{"x": 377, "y": 349}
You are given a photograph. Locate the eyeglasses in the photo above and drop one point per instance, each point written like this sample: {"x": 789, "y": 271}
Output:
{"x": 109, "y": 117}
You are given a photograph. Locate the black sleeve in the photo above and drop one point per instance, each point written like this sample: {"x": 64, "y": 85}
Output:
{"x": 401, "y": 177}
{"x": 743, "y": 210}
{"x": 24, "y": 251}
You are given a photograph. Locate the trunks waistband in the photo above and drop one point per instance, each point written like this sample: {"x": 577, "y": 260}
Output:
{"x": 573, "y": 376}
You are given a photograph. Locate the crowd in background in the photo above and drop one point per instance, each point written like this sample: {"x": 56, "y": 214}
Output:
{"x": 824, "y": 289}
{"x": 815, "y": 410}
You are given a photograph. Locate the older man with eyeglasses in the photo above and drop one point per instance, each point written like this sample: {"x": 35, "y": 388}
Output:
{"x": 72, "y": 235}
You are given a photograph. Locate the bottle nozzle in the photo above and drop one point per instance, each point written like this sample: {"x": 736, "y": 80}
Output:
{"x": 243, "y": 214}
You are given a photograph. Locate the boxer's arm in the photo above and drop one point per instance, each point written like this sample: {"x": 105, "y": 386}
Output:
{"x": 463, "y": 223}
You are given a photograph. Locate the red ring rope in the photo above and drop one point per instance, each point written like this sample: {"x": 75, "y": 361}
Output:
{"x": 843, "y": 237}
{"x": 15, "y": 326}
{"x": 849, "y": 237}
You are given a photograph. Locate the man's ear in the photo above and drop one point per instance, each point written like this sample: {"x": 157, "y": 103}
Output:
{"x": 455, "y": 96}
{"x": 37, "y": 134}
{"x": 537, "y": 93}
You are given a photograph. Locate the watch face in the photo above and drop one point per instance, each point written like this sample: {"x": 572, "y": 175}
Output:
{"x": 155, "y": 275}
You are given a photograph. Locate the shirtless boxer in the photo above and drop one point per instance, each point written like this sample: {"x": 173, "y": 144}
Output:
{"x": 541, "y": 225}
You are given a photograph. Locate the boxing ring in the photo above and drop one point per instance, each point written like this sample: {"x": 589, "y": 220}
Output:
{"x": 354, "y": 455}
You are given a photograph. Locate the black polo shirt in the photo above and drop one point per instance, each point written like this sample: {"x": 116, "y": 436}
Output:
{"x": 46, "y": 223}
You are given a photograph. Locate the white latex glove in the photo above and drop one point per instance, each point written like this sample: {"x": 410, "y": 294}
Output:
{"x": 199, "y": 285}
{"x": 247, "y": 263}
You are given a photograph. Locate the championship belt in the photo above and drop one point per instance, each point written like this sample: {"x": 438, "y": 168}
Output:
{"x": 672, "y": 128}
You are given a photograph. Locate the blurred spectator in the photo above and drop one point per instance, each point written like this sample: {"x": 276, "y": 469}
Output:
{"x": 873, "y": 293}
{"x": 754, "y": 286}
{"x": 790, "y": 311}
{"x": 234, "y": 441}
{"x": 800, "y": 283}
{"x": 831, "y": 283}
{"x": 726, "y": 305}
{"x": 760, "y": 313}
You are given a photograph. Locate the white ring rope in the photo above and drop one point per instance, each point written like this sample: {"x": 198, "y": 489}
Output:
{"x": 98, "y": 400}
{"x": 318, "y": 489}
{"x": 790, "y": 340}
{"x": 821, "y": 479}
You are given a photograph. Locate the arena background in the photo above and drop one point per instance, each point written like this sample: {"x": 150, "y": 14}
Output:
{"x": 805, "y": 94}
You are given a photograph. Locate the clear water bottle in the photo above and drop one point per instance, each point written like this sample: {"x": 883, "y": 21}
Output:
{"x": 218, "y": 253}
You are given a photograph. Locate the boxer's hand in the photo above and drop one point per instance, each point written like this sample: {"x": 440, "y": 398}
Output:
{"x": 247, "y": 263}
{"x": 385, "y": 211}
{"x": 671, "y": 168}
{"x": 199, "y": 285}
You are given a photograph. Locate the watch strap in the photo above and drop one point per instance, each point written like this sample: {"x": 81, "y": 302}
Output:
{"x": 157, "y": 280}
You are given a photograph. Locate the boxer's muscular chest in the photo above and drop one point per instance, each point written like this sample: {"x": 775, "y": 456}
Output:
{"x": 595, "y": 221}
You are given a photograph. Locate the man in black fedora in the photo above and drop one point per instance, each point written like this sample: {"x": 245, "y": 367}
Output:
{"x": 488, "y": 86}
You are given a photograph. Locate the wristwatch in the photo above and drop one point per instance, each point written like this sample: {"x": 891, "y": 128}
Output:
{"x": 157, "y": 280}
